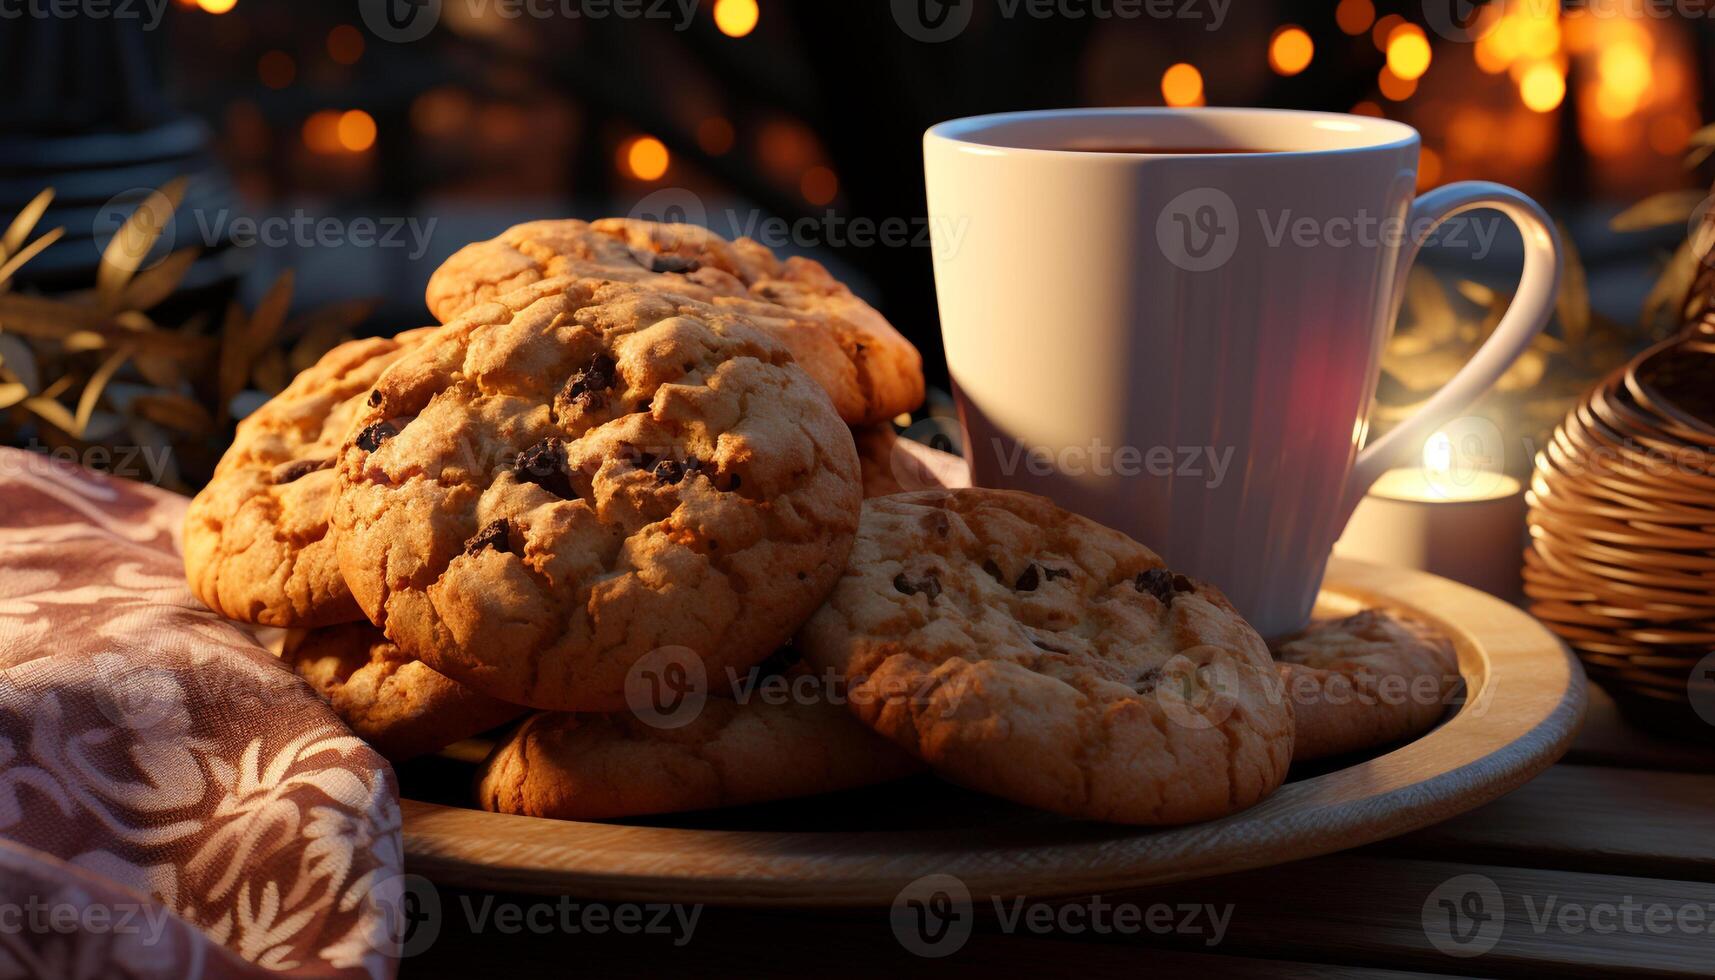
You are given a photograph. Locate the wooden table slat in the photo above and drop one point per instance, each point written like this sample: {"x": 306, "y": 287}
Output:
{"x": 1588, "y": 818}
{"x": 1371, "y": 911}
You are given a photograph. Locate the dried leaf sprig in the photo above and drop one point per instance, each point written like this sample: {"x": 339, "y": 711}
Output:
{"x": 94, "y": 370}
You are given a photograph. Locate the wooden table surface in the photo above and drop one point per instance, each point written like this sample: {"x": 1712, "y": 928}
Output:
{"x": 1604, "y": 865}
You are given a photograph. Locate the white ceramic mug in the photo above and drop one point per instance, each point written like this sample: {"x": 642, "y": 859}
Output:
{"x": 1186, "y": 345}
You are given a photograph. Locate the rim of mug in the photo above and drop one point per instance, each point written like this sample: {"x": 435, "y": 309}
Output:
{"x": 966, "y": 130}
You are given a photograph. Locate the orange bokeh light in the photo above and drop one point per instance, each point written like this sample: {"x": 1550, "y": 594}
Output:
{"x": 715, "y": 135}
{"x": 276, "y": 69}
{"x": 1291, "y": 50}
{"x": 645, "y": 158}
{"x": 819, "y": 185}
{"x": 1408, "y": 53}
{"x": 1182, "y": 85}
{"x": 345, "y": 44}
{"x": 1355, "y": 16}
{"x": 736, "y": 18}
{"x": 356, "y": 130}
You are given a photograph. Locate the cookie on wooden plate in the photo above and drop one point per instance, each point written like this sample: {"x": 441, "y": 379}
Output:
{"x": 1364, "y": 681}
{"x": 256, "y": 538}
{"x": 597, "y": 767}
{"x": 1030, "y": 653}
{"x": 871, "y": 372}
{"x": 578, "y": 474}
{"x": 389, "y": 699}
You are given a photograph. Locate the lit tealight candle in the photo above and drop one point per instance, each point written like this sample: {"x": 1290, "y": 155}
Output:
{"x": 1460, "y": 521}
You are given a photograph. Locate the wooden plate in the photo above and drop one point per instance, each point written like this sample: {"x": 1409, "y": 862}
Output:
{"x": 1525, "y": 700}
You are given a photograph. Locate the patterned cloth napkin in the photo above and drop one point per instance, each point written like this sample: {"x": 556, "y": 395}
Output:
{"x": 173, "y": 802}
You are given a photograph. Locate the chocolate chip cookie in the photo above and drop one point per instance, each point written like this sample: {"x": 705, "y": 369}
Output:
{"x": 256, "y": 538}
{"x": 596, "y": 767}
{"x": 390, "y": 700}
{"x": 585, "y": 471}
{"x": 1365, "y": 681}
{"x": 1030, "y": 653}
{"x": 869, "y": 370}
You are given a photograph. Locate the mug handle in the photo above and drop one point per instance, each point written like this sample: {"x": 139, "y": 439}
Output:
{"x": 1525, "y": 317}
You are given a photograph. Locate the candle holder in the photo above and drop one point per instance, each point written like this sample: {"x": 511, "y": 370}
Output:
{"x": 1465, "y": 530}
{"x": 1621, "y": 563}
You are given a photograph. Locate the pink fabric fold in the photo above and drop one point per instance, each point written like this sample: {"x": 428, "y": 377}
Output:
{"x": 173, "y": 802}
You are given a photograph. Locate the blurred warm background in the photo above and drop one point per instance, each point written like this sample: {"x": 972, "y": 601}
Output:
{"x": 298, "y": 117}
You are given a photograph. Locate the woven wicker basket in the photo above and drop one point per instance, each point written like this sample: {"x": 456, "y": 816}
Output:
{"x": 1621, "y": 562}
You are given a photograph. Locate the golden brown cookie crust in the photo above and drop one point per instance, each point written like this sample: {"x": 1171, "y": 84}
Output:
{"x": 1365, "y": 681}
{"x": 390, "y": 700}
{"x": 583, "y": 472}
{"x": 604, "y": 766}
{"x": 256, "y": 538}
{"x": 871, "y": 372}
{"x": 1027, "y": 652}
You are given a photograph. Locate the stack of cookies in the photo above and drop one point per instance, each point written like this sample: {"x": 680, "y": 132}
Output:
{"x": 617, "y": 497}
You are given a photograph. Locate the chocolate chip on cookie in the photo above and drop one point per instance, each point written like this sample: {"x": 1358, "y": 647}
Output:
{"x": 373, "y": 435}
{"x": 588, "y": 388}
{"x": 1089, "y": 698}
{"x": 1028, "y": 580}
{"x": 1162, "y": 584}
{"x": 929, "y": 585}
{"x": 544, "y": 464}
{"x": 297, "y": 469}
{"x": 676, "y": 264}
{"x": 495, "y": 534}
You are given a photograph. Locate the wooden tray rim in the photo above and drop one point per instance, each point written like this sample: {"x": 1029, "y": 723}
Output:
{"x": 1526, "y": 699}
